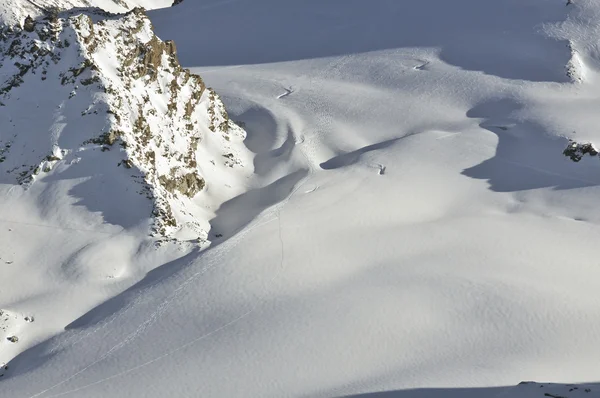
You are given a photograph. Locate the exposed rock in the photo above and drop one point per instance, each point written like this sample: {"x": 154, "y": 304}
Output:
{"x": 189, "y": 184}
{"x": 29, "y": 24}
{"x": 139, "y": 98}
{"x": 576, "y": 151}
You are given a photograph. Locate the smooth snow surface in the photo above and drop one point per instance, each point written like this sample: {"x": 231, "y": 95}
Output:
{"x": 411, "y": 229}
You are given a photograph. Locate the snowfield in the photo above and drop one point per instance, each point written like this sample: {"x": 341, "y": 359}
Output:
{"x": 399, "y": 221}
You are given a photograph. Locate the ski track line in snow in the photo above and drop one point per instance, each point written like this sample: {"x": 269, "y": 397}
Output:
{"x": 134, "y": 302}
{"x": 142, "y": 326}
{"x": 190, "y": 343}
{"x": 146, "y": 291}
{"x": 222, "y": 251}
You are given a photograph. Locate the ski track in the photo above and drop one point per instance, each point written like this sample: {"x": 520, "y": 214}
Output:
{"x": 221, "y": 251}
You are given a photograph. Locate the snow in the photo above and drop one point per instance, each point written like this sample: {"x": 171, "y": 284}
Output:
{"x": 14, "y": 12}
{"x": 405, "y": 223}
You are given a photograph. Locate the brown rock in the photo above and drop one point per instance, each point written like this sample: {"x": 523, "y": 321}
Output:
{"x": 29, "y": 24}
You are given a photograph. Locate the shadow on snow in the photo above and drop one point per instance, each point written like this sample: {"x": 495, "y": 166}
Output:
{"x": 475, "y": 35}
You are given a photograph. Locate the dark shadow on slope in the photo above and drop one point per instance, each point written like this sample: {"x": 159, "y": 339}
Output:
{"x": 500, "y": 38}
{"x": 119, "y": 302}
{"x": 231, "y": 218}
{"x": 265, "y": 162}
{"x": 351, "y": 158}
{"x": 526, "y": 157}
{"x": 235, "y": 214}
{"x": 261, "y": 128}
{"x": 524, "y": 389}
{"x": 35, "y": 123}
{"x": 39, "y": 354}
{"x": 115, "y": 192}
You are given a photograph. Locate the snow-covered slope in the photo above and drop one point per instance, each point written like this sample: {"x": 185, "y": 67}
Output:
{"x": 411, "y": 229}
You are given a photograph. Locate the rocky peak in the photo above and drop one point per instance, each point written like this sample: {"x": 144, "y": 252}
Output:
{"x": 132, "y": 99}
{"x": 13, "y": 12}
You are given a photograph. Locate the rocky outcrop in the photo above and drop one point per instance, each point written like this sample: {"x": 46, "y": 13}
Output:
{"x": 29, "y": 24}
{"x": 576, "y": 151}
{"x": 188, "y": 185}
{"x": 134, "y": 97}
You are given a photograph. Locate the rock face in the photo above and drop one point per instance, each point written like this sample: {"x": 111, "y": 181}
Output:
{"x": 576, "y": 151}
{"x": 29, "y": 24}
{"x": 118, "y": 88}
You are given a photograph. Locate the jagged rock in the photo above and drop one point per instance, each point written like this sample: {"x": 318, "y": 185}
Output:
{"x": 13, "y": 339}
{"x": 131, "y": 92}
{"x": 576, "y": 151}
{"x": 176, "y": 2}
{"x": 189, "y": 184}
{"x": 29, "y": 24}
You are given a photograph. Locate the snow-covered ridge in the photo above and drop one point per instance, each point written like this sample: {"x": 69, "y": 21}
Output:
{"x": 122, "y": 88}
{"x": 14, "y": 12}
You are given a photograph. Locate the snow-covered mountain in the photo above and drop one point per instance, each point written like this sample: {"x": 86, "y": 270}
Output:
{"x": 14, "y": 12}
{"x": 77, "y": 83}
{"x": 103, "y": 132}
{"x": 377, "y": 198}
